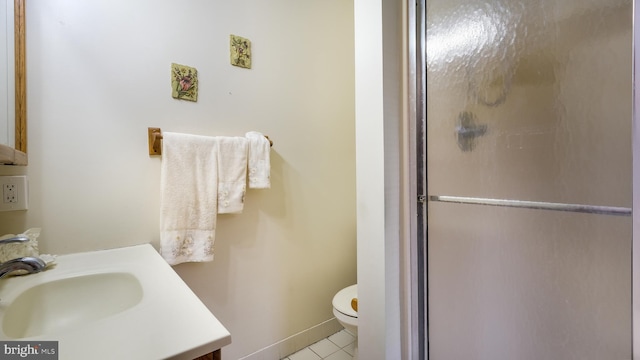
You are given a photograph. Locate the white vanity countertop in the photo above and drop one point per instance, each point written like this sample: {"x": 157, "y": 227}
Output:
{"x": 169, "y": 322}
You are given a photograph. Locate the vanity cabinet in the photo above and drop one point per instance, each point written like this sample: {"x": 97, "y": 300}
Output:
{"x": 216, "y": 355}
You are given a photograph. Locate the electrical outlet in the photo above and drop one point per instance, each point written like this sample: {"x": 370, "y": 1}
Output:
{"x": 14, "y": 193}
{"x": 9, "y": 194}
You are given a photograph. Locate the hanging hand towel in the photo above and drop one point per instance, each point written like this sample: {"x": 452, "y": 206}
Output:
{"x": 259, "y": 161}
{"x": 188, "y": 182}
{"x": 232, "y": 174}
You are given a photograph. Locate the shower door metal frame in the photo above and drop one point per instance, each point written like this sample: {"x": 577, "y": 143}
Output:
{"x": 635, "y": 256}
{"x": 416, "y": 34}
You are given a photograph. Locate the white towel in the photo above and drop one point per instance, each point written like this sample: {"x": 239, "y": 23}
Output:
{"x": 232, "y": 174}
{"x": 188, "y": 199}
{"x": 259, "y": 161}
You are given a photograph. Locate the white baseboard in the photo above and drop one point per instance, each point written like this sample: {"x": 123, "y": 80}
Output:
{"x": 296, "y": 342}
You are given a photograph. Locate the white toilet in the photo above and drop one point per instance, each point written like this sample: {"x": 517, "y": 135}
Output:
{"x": 345, "y": 314}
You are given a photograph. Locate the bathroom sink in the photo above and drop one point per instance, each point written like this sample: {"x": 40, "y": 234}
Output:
{"x": 124, "y": 303}
{"x": 70, "y": 302}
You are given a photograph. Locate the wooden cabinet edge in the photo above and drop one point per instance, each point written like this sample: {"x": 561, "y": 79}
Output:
{"x": 216, "y": 355}
{"x": 11, "y": 156}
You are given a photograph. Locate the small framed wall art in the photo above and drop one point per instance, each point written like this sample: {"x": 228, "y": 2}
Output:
{"x": 184, "y": 82}
{"x": 240, "y": 51}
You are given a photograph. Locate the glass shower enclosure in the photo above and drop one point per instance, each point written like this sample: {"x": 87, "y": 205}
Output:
{"x": 529, "y": 177}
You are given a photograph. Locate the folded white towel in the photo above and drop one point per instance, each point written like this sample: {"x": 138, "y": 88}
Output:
{"x": 232, "y": 174}
{"x": 259, "y": 161}
{"x": 188, "y": 177}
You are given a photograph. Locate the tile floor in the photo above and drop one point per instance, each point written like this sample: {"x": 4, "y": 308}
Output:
{"x": 338, "y": 346}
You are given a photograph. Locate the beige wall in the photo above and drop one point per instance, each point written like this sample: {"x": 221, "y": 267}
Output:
{"x": 98, "y": 76}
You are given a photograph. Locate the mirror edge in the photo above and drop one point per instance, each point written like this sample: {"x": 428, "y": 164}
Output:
{"x": 20, "y": 76}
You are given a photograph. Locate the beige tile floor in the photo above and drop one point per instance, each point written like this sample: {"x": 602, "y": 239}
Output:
{"x": 339, "y": 346}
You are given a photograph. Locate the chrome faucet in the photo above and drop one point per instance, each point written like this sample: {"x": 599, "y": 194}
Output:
{"x": 15, "y": 239}
{"x": 29, "y": 264}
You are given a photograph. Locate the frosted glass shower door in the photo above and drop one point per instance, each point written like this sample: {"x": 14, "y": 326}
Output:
{"x": 529, "y": 169}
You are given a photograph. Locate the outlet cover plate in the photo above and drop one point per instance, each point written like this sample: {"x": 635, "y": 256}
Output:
{"x": 16, "y": 189}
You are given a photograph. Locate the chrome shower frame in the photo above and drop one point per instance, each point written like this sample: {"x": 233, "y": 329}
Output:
{"x": 635, "y": 260}
{"x": 417, "y": 301}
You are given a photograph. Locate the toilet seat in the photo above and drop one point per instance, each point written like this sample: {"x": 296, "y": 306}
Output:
{"x": 342, "y": 301}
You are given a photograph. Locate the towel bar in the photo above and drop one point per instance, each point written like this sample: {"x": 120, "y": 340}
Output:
{"x": 155, "y": 135}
